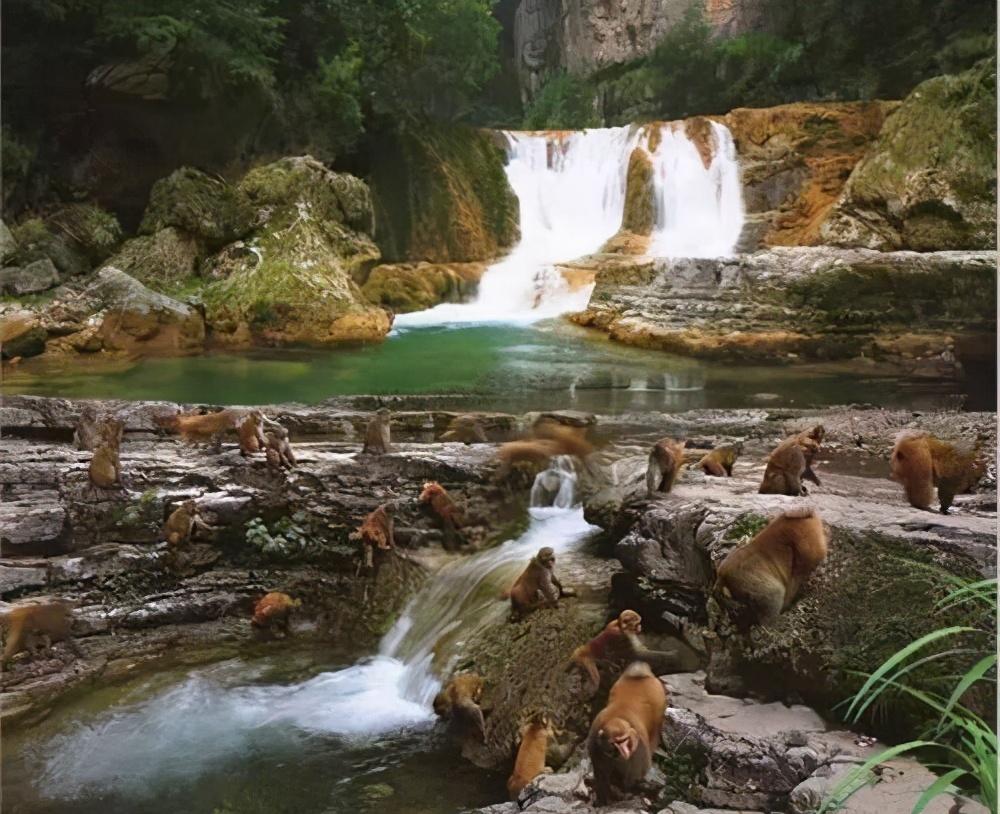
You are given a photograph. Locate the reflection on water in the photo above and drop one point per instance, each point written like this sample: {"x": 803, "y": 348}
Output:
{"x": 489, "y": 366}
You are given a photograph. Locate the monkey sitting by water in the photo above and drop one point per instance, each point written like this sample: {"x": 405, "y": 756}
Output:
{"x": 764, "y": 576}
{"x": 530, "y": 761}
{"x": 720, "y": 461}
{"x": 31, "y": 623}
{"x": 278, "y": 450}
{"x": 537, "y": 587}
{"x": 182, "y": 523}
{"x": 921, "y": 462}
{"x": 444, "y": 508}
{"x": 377, "y": 437}
{"x": 665, "y": 462}
{"x": 273, "y": 612}
{"x": 376, "y": 532}
{"x": 105, "y": 465}
{"x": 459, "y": 701}
{"x": 625, "y": 734}
{"x": 791, "y": 463}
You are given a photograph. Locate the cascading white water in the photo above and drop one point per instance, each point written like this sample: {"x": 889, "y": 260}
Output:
{"x": 571, "y": 193}
{"x": 227, "y": 710}
{"x": 699, "y": 209}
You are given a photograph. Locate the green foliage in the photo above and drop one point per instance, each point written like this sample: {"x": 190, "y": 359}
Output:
{"x": 15, "y": 158}
{"x": 285, "y": 540}
{"x": 565, "y": 102}
{"x": 962, "y": 745}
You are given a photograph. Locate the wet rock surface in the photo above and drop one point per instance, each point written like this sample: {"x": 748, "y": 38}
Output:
{"x": 918, "y": 314}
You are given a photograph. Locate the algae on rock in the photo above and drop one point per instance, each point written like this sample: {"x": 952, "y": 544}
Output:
{"x": 929, "y": 182}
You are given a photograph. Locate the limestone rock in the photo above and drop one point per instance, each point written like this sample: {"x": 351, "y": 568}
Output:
{"x": 929, "y": 182}
{"x": 137, "y": 318}
{"x": 38, "y": 276}
{"x": 406, "y": 287}
{"x": 639, "y": 213}
{"x": 918, "y": 313}
{"x": 294, "y": 282}
{"x": 201, "y": 205}
{"x": 161, "y": 260}
{"x": 21, "y": 334}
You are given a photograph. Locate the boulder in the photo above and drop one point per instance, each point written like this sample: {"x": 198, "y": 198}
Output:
{"x": 21, "y": 334}
{"x": 406, "y": 287}
{"x": 163, "y": 260}
{"x": 136, "y": 318}
{"x": 919, "y": 314}
{"x": 639, "y": 213}
{"x": 205, "y": 207}
{"x": 929, "y": 182}
{"x": 33, "y": 278}
{"x": 295, "y": 280}
{"x": 74, "y": 237}
{"x": 441, "y": 195}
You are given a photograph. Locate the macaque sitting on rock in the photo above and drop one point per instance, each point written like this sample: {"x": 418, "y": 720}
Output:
{"x": 278, "y": 450}
{"x": 720, "y": 461}
{"x": 791, "y": 463}
{"x": 272, "y": 612}
{"x": 377, "y": 436}
{"x": 182, "y": 523}
{"x": 105, "y": 465}
{"x": 537, "y": 587}
{"x": 665, "y": 462}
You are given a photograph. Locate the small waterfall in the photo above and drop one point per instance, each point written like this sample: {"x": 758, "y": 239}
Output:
{"x": 556, "y": 486}
{"x": 570, "y": 188}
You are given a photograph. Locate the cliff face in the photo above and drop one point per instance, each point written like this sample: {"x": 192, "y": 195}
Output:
{"x": 584, "y": 35}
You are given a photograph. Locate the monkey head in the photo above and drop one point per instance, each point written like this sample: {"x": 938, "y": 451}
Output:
{"x": 617, "y": 738}
{"x": 190, "y": 506}
{"x": 546, "y": 557}
{"x": 383, "y": 412}
{"x": 431, "y": 488}
{"x": 630, "y": 621}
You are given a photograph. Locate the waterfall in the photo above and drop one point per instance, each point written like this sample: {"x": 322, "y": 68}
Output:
{"x": 570, "y": 188}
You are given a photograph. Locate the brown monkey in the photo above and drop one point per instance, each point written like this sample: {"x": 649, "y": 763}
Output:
{"x": 459, "y": 702}
{"x": 88, "y": 431}
{"x": 530, "y": 761}
{"x": 765, "y": 575}
{"x": 273, "y": 611}
{"x": 790, "y": 463}
{"x": 920, "y": 462}
{"x": 105, "y": 464}
{"x": 537, "y": 587}
{"x": 609, "y": 644}
{"x": 50, "y": 620}
{"x": 277, "y": 449}
{"x": 377, "y": 440}
{"x": 626, "y": 732}
{"x": 569, "y": 440}
{"x": 665, "y": 462}
{"x": 250, "y": 432}
{"x": 719, "y": 462}
{"x": 376, "y": 532}
{"x": 535, "y": 451}
{"x": 182, "y": 523}
{"x": 466, "y": 429}
{"x": 444, "y": 509}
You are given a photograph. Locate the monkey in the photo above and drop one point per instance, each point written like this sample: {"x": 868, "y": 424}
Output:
{"x": 274, "y": 610}
{"x": 619, "y": 643}
{"x": 719, "y": 462}
{"x": 444, "y": 509}
{"x": 790, "y": 463}
{"x": 105, "y": 464}
{"x": 466, "y": 429}
{"x": 530, "y": 761}
{"x": 533, "y": 451}
{"x": 665, "y": 462}
{"x": 920, "y": 462}
{"x": 537, "y": 587}
{"x": 765, "y": 575}
{"x": 624, "y": 735}
{"x": 377, "y": 439}
{"x": 182, "y": 523}
{"x": 570, "y": 440}
{"x": 50, "y": 619}
{"x": 278, "y": 450}
{"x": 376, "y": 532}
{"x": 459, "y": 701}
{"x": 87, "y": 433}
{"x": 250, "y": 432}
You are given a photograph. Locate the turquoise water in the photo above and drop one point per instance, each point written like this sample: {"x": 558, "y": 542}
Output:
{"x": 491, "y": 366}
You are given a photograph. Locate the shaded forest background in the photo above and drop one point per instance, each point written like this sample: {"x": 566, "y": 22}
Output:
{"x": 102, "y": 97}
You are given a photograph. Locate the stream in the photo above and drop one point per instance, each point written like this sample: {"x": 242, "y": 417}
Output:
{"x": 298, "y": 731}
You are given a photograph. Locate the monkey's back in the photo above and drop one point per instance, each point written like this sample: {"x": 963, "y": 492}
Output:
{"x": 639, "y": 698}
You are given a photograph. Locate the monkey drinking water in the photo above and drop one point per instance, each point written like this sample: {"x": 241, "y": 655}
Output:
{"x": 459, "y": 703}
{"x": 537, "y": 587}
{"x": 273, "y": 611}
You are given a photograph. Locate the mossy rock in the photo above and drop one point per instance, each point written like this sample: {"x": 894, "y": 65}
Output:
{"x": 74, "y": 237}
{"x": 441, "y": 195}
{"x": 162, "y": 261}
{"x": 205, "y": 207}
{"x": 416, "y": 287}
{"x": 295, "y": 281}
{"x": 929, "y": 182}
{"x": 639, "y": 215}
